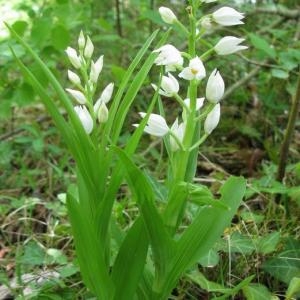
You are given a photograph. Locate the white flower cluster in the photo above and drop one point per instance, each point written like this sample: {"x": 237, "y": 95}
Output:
{"x": 172, "y": 59}
{"x": 83, "y": 94}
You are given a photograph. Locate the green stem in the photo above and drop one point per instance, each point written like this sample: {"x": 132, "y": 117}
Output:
{"x": 181, "y": 102}
{"x": 288, "y": 135}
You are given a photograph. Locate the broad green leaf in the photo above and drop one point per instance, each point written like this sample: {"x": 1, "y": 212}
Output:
{"x": 250, "y": 217}
{"x": 293, "y": 289}
{"x": 206, "y": 284}
{"x": 60, "y": 37}
{"x": 255, "y": 291}
{"x": 283, "y": 267}
{"x": 211, "y": 259}
{"x": 263, "y": 45}
{"x": 202, "y": 234}
{"x": 130, "y": 262}
{"x": 238, "y": 243}
{"x": 20, "y": 27}
{"x": 268, "y": 243}
{"x": 286, "y": 265}
{"x": 33, "y": 254}
{"x": 281, "y": 74}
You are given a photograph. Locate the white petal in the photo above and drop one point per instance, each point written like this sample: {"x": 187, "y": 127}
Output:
{"x": 85, "y": 118}
{"x": 212, "y": 119}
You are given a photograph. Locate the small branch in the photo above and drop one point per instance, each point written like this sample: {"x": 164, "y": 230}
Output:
{"x": 287, "y": 13}
{"x": 241, "y": 82}
{"x": 288, "y": 133}
{"x": 118, "y": 19}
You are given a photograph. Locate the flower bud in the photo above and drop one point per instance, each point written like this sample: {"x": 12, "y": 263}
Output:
{"x": 96, "y": 69}
{"x": 169, "y": 86}
{"x": 73, "y": 77}
{"x": 206, "y": 23}
{"x": 81, "y": 41}
{"x": 77, "y": 95}
{"x": 227, "y": 16}
{"x": 212, "y": 119}
{"x": 156, "y": 125}
{"x": 89, "y": 48}
{"x": 168, "y": 56}
{"x": 85, "y": 118}
{"x": 178, "y": 130}
{"x": 105, "y": 96}
{"x": 102, "y": 113}
{"x": 228, "y": 45}
{"x": 73, "y": 57}
{"x": 215, "y": 87}
{"x": 167, "y": 15}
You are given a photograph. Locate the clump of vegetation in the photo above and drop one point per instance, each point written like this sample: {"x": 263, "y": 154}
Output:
{"x": 92, "y": 207}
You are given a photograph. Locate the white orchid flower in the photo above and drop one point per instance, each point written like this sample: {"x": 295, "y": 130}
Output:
{"x": 77, "y": 95}
{"x": 212, "y": 119}
{"x": 73, "y": 57}
{"x": 228, "y": 45}
{"x": 195, "y": 70}
{"x": 178, "y": 130}
{"x": 156, "y": 125}
{"x": 169, "y": 56}
{"x": 85, "y": 118}
{"x": 74, "y": 78}
{"x": 227, "y": 16}
{"x": 169, "y": 86}
{"x": 96, "y": 68}
{"x": 215, "y": 87}
{"x": 105, "y": 97}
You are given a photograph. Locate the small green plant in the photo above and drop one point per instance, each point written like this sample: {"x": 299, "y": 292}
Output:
{"x": 145, "y": 260}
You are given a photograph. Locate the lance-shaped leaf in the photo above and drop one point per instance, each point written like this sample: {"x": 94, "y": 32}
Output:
{"x": 130, "y": 261}
{"x": 90, "y": 253}
{"x": 162, "y": 244}
{"x": 201, "y": 235}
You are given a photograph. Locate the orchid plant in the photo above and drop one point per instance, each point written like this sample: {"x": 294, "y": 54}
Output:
{"x": 145, "y": 260}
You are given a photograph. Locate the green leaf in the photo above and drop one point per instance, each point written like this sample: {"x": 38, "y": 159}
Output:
{"x": 239, "y": 243}
{"x": 211, "y": 259}
{"x": 283, "y": 268}
{"x": 130, "y": 262}
{"x": 293, "y": 289}
{"x": 268, "y": 243}
{"x": 263, "y": 45}
{"x": 89, "y": 249}
{"x": 60, "y": 37}
{"x": 256, "y": 291}
{"x": 41, "y": 29}
{"x": 207, "y": 285}
{"x": 203, "y": 233}
{"x": 278, "y": 73}
{"x": 33, "y": 254}
{"x": 19, "y": 27}
{"x": 162, "y": 244}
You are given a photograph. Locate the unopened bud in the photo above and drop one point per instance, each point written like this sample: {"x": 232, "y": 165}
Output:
{"x": 167, "y": 15}
{"x": 96, "y": 69}
{"x": 73, "y": 77}
{"x": 89, "y": 48}
{"x": 102, "y": 113}
{"x": 73, "y": 57}
{"x": 81, "y": 40}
